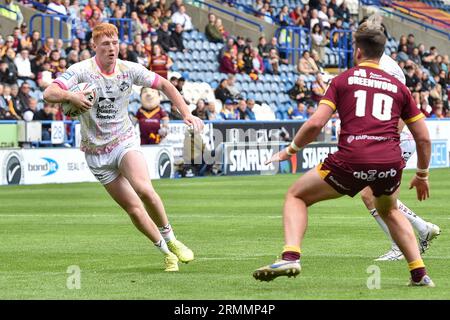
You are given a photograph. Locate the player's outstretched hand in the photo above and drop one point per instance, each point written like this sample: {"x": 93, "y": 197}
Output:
{"x": 422, "y": 188}
{"x": 278, "y": 157}
{"x": 194, "y": 122}
{"x": 79, "y": 100}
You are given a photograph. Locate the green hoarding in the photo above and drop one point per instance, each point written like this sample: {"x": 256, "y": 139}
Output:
{"x": 8, "y": 135}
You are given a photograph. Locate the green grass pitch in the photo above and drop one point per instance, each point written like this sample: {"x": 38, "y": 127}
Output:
{"x": 234, "y": 226}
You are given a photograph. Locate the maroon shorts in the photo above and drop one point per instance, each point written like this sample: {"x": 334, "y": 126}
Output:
{"x": 351, "y": 178}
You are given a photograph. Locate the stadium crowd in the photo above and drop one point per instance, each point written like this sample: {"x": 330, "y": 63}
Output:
{"x": 28, "y": 64}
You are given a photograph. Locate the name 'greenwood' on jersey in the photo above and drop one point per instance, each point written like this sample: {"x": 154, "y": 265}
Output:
{"x": 370, "y": 103}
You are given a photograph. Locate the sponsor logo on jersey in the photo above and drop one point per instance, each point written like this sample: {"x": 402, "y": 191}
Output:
{"x": 372, "y": 175}
{"x": 124, "y": 86}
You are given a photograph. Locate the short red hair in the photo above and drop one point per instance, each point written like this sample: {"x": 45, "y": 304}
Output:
{"x": 104, "y": 29}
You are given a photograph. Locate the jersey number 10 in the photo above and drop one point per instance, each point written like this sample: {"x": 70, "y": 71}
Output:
{"x": 381, "y": 107}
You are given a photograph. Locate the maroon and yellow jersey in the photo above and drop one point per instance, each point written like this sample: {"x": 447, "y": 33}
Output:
{"x": 149, "y": 124}
{"x": 370, "y": 103}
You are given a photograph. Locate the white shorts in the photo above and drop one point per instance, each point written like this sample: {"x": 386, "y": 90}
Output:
{"x": 105, "y": 167}
{"x": 408, "y": 145}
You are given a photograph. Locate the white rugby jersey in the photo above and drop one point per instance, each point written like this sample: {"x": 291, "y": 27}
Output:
{"x": 107, "y": 123}
{"x": 390, "y": 66}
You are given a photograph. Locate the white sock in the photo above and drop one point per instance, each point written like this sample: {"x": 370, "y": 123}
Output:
{"x": 417, "y": 222}
{"x": 383, "y": 226}
{"x": 162, "y": 246}
{"x": 167, "y": 232}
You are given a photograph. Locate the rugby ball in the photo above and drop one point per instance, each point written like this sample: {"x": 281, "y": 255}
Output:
{"x": 69, "y": 109}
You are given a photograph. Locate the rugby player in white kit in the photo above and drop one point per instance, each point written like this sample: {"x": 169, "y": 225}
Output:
{"x": 111, "y": 146}
{"x": 426, "y": 231}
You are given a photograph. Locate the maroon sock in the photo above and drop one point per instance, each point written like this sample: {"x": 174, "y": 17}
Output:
{"x": 417, "y": 274}
{"x": 290, "y": 255}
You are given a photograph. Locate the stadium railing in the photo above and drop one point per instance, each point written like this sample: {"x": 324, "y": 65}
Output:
{"x": 290, "y": 41}
{"x": 52, "y": 18}
{"x": 235, "y": 16}
{"x": 123, "y": 24}
{"x": 343, "y": 48}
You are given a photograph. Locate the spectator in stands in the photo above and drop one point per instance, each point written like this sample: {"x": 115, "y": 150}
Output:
{"x": 245, "y": 113}
{"x": 429, "y": 56}
{"x": 90, "y": 8}
{"x": 230, "y": 45}
{"x": 25, "y": 38}
{"x": 247, "y": 60}
{"x": 283, "y": 17}
{"x": 296, "y": 17}
{"x": 28, "y": 113}
{"x": 47, "y": 48}
{"x": 24, "y": 96}
{"x": 95, "y": 19}
{"x": 153, "y": 120}
{"x": 411, "y": 79}
{"x": 8, "y": 73}
{"x": 263, "y": 48}
{"x": 200, "y": 110}
{"x": 438, "y": 110}
{"x": 228, "y": 63}
{"x": 72, "y": 58}
{"x": 323, "y": 17}
{"x": 126, "y": 54}
{"x": 306, "y": 64}
{"x": 319, "y": 41}
{"x": 175, "y": 6}
{"x": 8, "y": 45}
{"x": 74, "y": 10}
{"x": 229, "y": 112}
{"x": 211, "y": 31}
{"x": 343, "y": 12}
{"x": 222, "y": 93}
{"x": 35, "y": 43}
{"x": 23, "y": 65}
{"x": 310, "y": 111}
{"x": 177, "y": 38}
{"x": 331, "y": 17}
{"x": 180, "y": 85}
{"x": 9, "y": 4}
{"x": 142, "y": 56}
{"x": 258, "y": 64}
{"x": 165, "y": 39}
{"x": 318, "y": 88}
{"x": 314, "y": 19}
{"x": 415, "y": 56}
{"x": 44, "y": 78}
{"x": 167, "y": 17}
{"x": 300, "y": 92}
{"x": 272, "y": 63}
{"x": 298, "y": 113}
{"x": 74, "y": 46}
{"x": 315, "y": 56}
{"x": 241, "y": 44}
{"x": 160, "y": 61}
{"x": 12, "y": 109}
{"x": 410, "y": 43}
{"x": 154, "y": 20}
{"x": 46, "y": 114}
{"x": 211, "y": 113}
{"x": 231, "y": 86}
{"x": 3, "y": 105}
{"x": 219, "y": 25}
{"x": 56, "y": 7}
{"x": 180, "y": 17}
{"x": 137, "y": 27}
